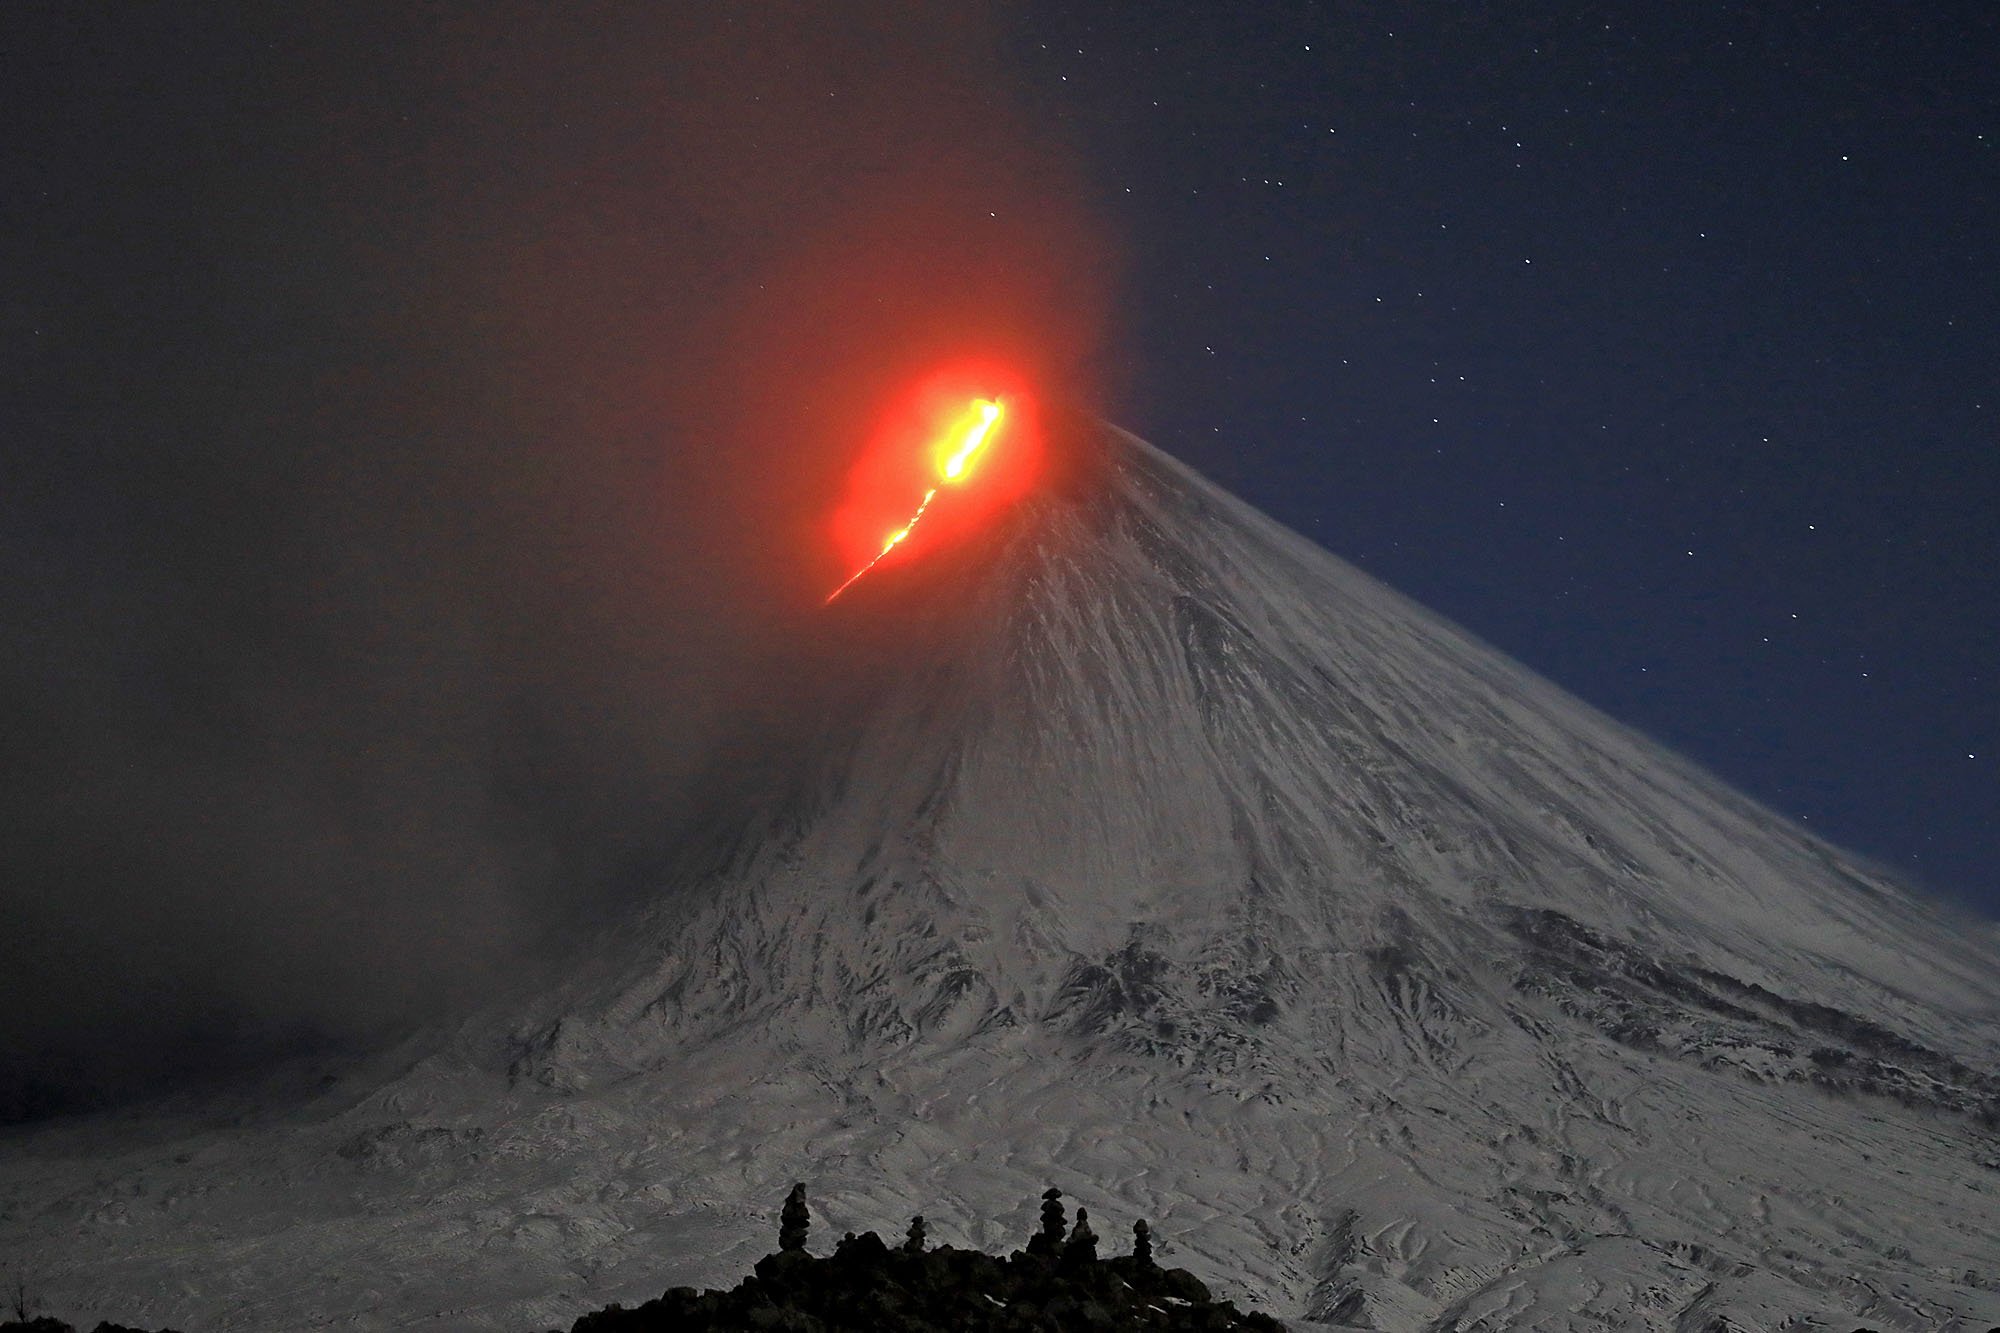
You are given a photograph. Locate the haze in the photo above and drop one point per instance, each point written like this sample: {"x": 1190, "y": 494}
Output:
{"x": 422, "y": 469}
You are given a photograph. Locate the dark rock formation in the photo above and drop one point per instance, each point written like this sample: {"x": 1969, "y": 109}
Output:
{"x": 1058, "y": 1285}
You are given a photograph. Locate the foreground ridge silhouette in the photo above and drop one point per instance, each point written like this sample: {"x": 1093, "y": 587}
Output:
{"x": 45, "y": 1323}
{"x": 1057, "y": 1283}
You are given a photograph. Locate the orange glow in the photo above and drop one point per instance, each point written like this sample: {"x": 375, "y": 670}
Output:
{"x": 954, "y": 453}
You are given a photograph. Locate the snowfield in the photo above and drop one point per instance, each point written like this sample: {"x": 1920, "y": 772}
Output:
{"x": 1190, "y": 870}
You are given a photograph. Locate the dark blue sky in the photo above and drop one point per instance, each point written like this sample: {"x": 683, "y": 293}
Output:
{"x": 1656, "y": 347}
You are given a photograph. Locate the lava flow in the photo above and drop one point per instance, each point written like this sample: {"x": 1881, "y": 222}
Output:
{"x": 955, "y": 454}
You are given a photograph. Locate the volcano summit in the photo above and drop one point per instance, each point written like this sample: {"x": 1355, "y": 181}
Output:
{"x": 1182, "y": 866}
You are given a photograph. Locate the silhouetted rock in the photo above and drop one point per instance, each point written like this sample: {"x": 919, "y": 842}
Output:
{"x": 1081, "y": 1248}
{"x": 794, "y": 1221}
{"x": 1048, "y": 1242}
{"x": 866, "y": 1286}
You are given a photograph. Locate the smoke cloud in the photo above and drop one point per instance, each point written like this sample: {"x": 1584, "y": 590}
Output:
{"x": 415, "y": 508}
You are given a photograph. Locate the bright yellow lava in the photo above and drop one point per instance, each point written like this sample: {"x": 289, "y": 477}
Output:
{"x": 974, "y": 430}
{"x": 968, "y": 437}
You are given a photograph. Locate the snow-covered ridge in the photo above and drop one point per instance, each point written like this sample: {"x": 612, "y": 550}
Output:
{"x": 1190, "y": 869}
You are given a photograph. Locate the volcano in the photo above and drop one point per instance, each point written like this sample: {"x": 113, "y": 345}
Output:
{"x": 1182, "y": 866}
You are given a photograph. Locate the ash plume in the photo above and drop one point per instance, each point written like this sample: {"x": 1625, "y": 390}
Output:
{"x": 412, "y": 514}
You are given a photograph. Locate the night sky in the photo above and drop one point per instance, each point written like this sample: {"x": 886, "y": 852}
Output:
{"x": 421, "y": 422}
{"x": 1654, "y": 345}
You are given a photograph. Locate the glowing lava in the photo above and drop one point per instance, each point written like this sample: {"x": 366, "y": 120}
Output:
{"x": 955, "y": 454}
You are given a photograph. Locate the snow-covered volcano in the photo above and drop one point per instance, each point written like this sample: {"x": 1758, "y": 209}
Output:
{"x": 1187, "y": 868}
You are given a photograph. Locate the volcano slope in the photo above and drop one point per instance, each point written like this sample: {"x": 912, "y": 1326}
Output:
{"x": 1182, "y": 866}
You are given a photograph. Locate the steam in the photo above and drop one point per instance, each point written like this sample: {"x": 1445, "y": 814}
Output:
{"x": 428, "y": 454}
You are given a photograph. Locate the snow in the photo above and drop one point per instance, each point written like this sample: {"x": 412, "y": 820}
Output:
{"x": 1190, "y": 870}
